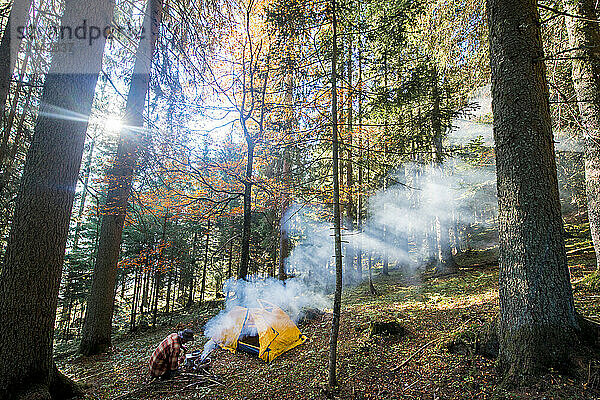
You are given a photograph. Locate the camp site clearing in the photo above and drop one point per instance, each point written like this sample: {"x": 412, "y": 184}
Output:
{"x": 433, "y": 313}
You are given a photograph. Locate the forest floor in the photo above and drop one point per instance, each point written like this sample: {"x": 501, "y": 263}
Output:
{"x": 433, "y": 311}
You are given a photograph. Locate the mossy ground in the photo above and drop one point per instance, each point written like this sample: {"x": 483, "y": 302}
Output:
{"x": 433, "y": 311}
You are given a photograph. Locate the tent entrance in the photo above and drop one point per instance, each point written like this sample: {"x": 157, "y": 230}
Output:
{"x": 249, "y": 344}
{"x": 248, "y": 341}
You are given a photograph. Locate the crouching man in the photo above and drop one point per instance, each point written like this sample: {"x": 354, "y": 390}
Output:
{"x": 164, "y": 362}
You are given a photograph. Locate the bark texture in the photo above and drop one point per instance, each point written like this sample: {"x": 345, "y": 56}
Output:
{"x": 337, "y": 299}
{"x": 284, "y": 241}
{"x": 31, "y": 272}
{"x": 584, "y": 35}
{"x": 96, "y": 334}
{"x": 445, "y": 263}
{"x": 537, "y": 315}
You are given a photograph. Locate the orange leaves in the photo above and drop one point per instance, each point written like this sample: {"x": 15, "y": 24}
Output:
{"x": 151, "y": 259}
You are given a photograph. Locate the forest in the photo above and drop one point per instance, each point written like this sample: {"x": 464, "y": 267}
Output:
{"x": 286, "y": 199}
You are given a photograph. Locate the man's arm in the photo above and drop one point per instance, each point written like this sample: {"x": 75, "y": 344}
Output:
{"x": 182, "y": 353}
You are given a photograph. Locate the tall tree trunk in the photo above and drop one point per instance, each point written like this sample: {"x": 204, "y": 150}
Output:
{"x": 180, "y": 284}
{"x": 123, "y": 284}
{"x": 385, "y": 266}
{"x": 169, "y": 284}
{"x": 8, "y": 166}
{"x": 67, "y": 320}
{"x": 9, "y": 47}
{"x": 537, "y": 315}
{"x": 10, "y": 119}
{"x": 284, "y": 241}
{"x": 80, "y": 318}
{"x": 250, "y": 141}
{"x": 402, "y": 231}
{"x": 360, "y": 205}
{"x": 190, "y": 299}
{"x": 159, "y": 269}
{"x": 218, "y": 282}
{"x": 245, "y": 250}
{"x": 84, "y": 190}
{"x": 174, "y": 289}
{"x": 135, "y": 299}
{"x": 98, "y": 320}
{"x": 156, "y": 293}
{"x": 337, "y": 299}
{"x": 146, "y": 284}
{"x": 30, "y": 276}
{"x": 372, "y": 289}
{"x": 230, "y": 260}
{"x": 585, "y": 37}
{"x": 445, "y": 263}
{"x": 205, "y": 264}
{"x": 274, "y": 262}
{"x": 350, "y": 209}
{"x": 151, "y": 290}
{"x": 176, "y": 273}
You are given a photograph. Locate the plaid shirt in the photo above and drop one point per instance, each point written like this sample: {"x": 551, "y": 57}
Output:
{"x": 166, "y": 357}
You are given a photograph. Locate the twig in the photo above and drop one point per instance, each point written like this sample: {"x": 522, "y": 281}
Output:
{"x": 124, "y": 395}
{"x": 413, "y": 355}
{"x": 566, "y": 14}
{"x": 409, "y": 386}
{"x": 193, "y": 384}
{"x": 214, "y": 381}
{"x": 171, "y": 391}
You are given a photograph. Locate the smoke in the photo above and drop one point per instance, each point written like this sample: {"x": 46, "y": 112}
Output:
{"x": 208, "y": 348}
{"x": 478, "y": 122}
{"x": 465, "y": 130}
{"x": 292, "y": 296}
{"x": 400, "y": 225}
{"x": 401, "y": 222}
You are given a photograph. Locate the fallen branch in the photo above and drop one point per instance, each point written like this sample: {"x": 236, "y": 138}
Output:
{"x": 580, "y": 250}
{"x": 413, "y": 355}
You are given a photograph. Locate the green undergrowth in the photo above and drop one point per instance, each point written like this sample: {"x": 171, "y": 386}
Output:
{"x": 579, "y": 247}
{"x": 397, "y": 289}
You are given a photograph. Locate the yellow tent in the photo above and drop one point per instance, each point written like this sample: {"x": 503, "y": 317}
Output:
{"x": 266, "y": 331}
